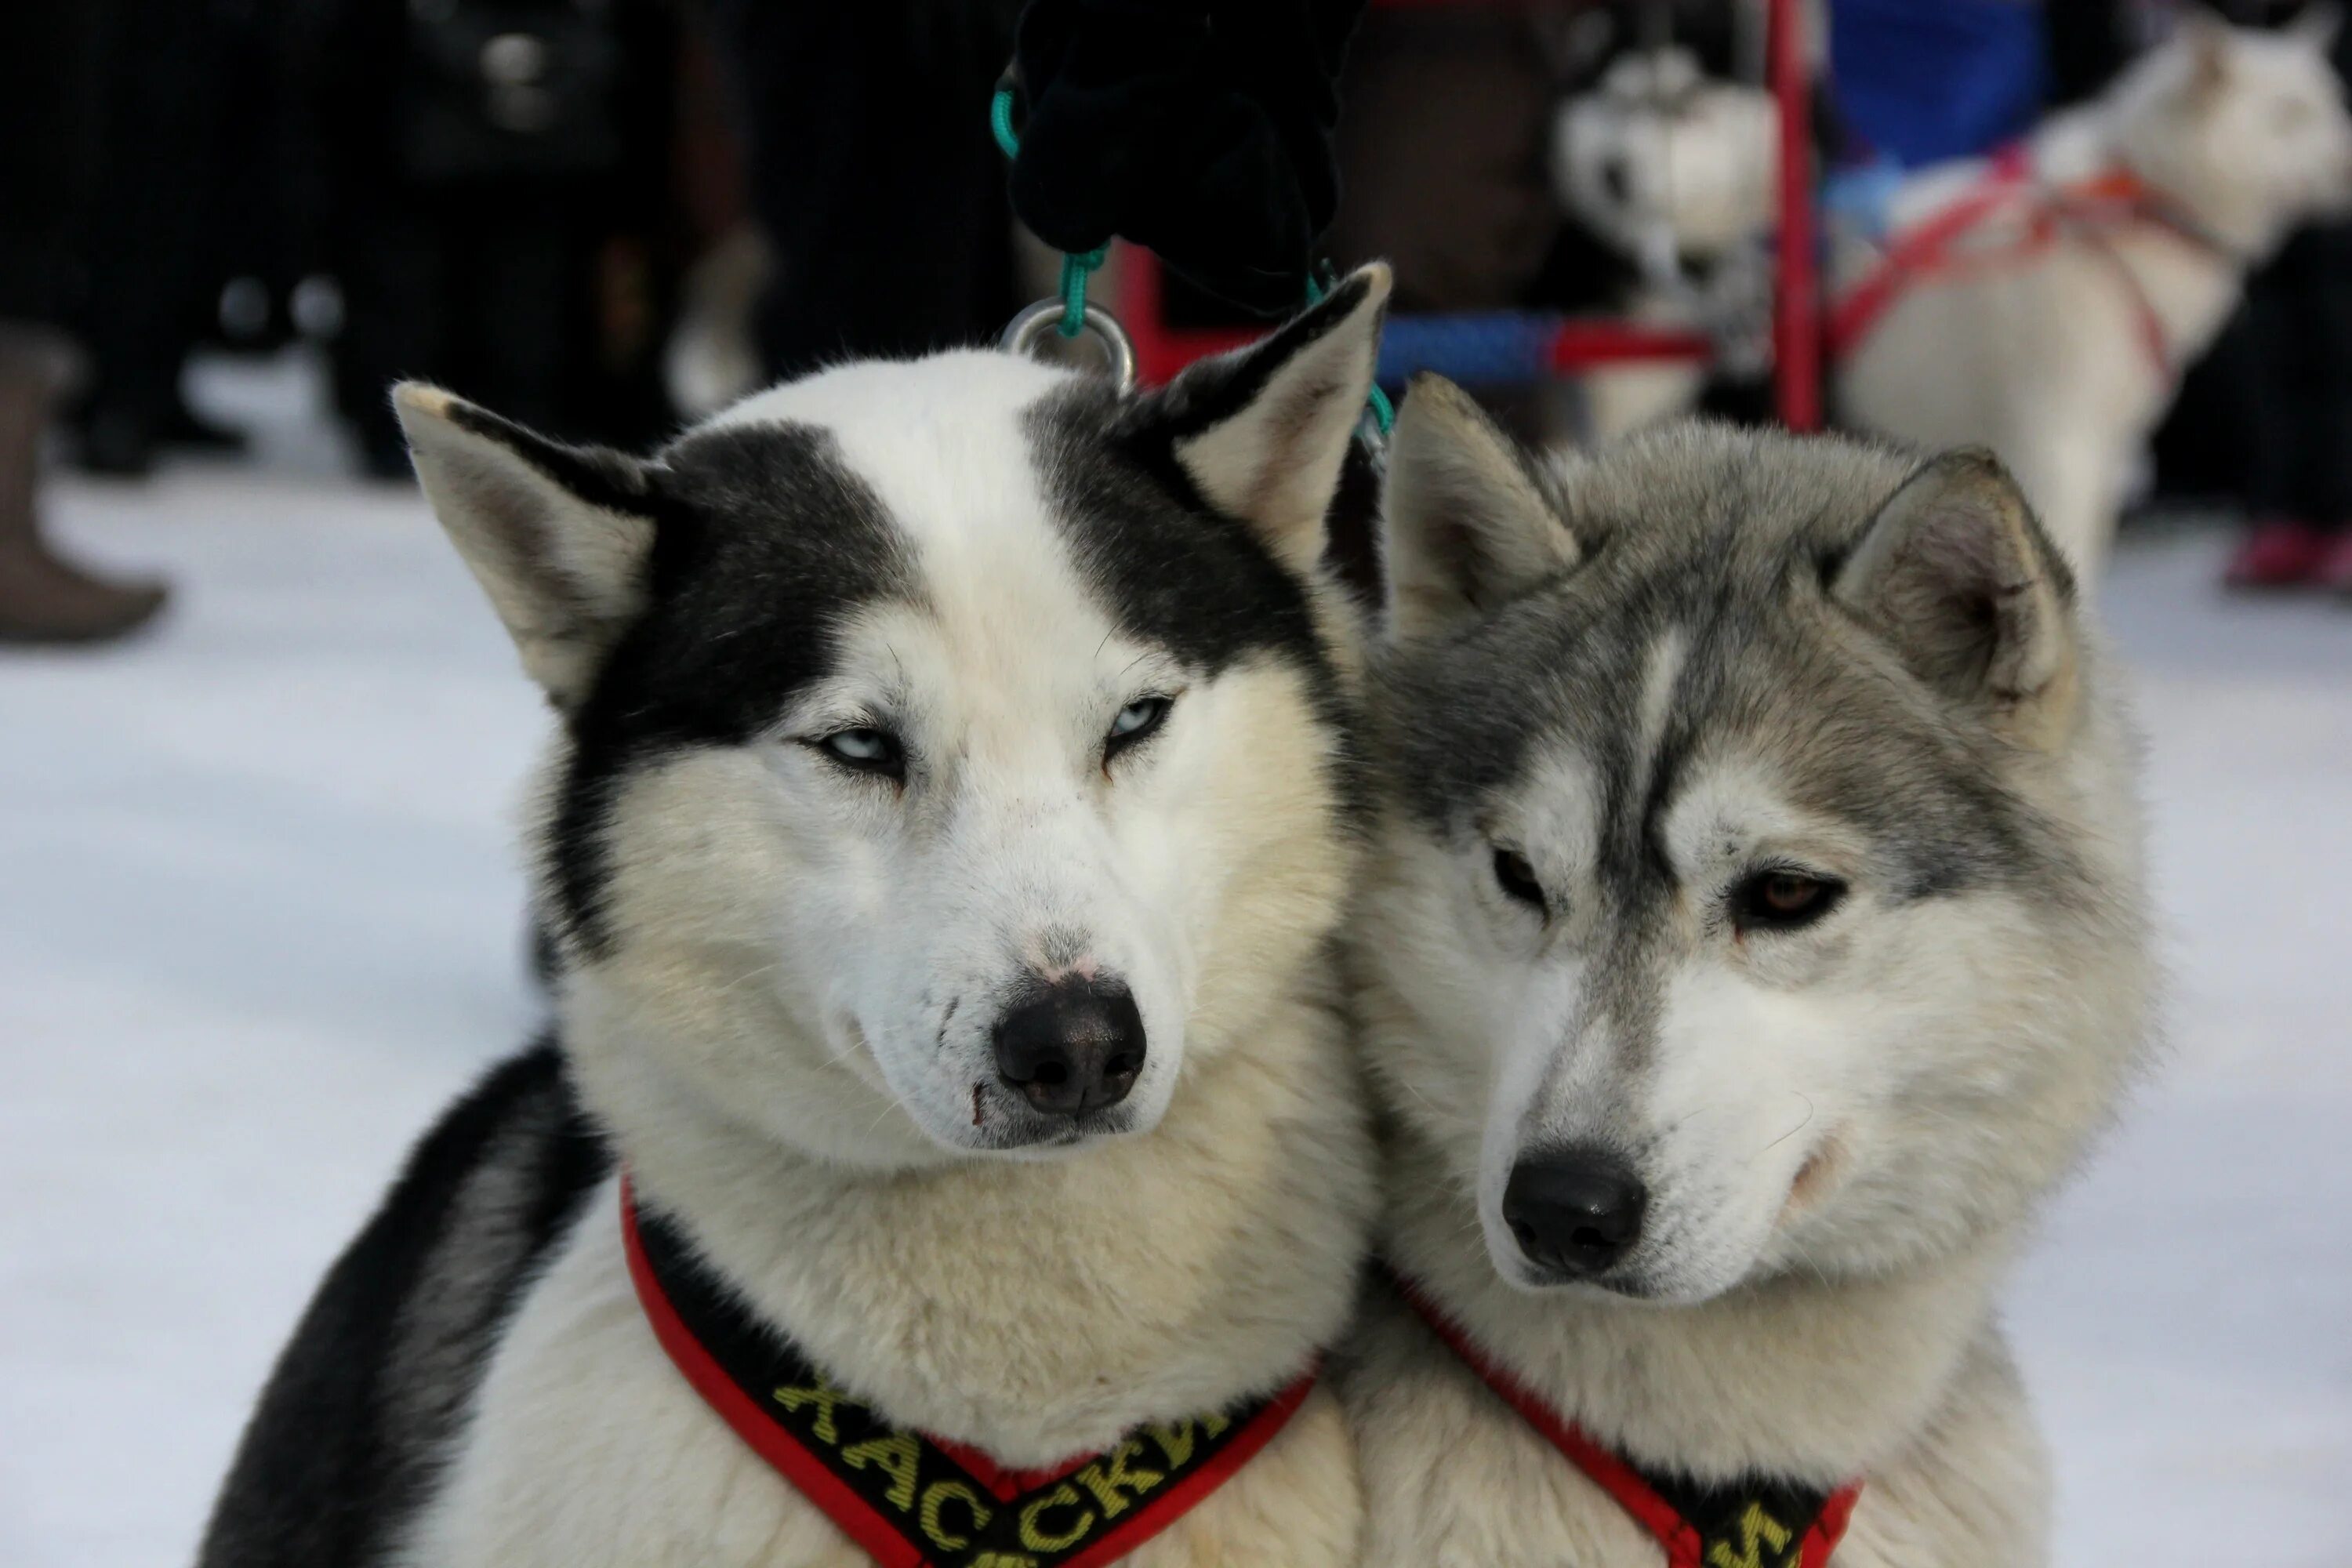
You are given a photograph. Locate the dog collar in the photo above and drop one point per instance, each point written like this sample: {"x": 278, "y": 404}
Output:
{"x": 1753, "y": 1523}
{"x": 909, "y": 1499}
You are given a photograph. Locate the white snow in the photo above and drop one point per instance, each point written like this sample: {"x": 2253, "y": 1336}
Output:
{"x": 259, "y": 917}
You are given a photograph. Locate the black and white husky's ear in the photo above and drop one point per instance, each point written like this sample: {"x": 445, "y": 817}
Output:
{"x": 1261, "y": 432}
{"x": 557, "y": 536}
{"x": 1958, "y": 575}
{"x": 1466, "y": 524}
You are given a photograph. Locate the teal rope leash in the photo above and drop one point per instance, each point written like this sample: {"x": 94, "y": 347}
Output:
{"x": 1077, "y": 266}
{"x": 1377, "y": 407}
{"x": 1000, "y": 120}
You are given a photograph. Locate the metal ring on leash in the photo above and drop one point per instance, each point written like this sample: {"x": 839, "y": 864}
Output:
{"x": 1030, "y": 328}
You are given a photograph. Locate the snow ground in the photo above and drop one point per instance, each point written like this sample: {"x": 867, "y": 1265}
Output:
{"x": 259, "y": 917}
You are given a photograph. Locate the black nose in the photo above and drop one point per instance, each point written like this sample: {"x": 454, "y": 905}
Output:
{"x": 1575, "y": 1211}
{"x": 1072, "y": 1047}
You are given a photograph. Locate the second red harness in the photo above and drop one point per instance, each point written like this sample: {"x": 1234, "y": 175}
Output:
{"x": 2034, "y": 216}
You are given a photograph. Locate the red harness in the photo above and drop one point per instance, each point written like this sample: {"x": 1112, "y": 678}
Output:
{"x": 1747, "y": 1524}
{"x": 908, "y": 1500}
{"x": 2088, "y": 212}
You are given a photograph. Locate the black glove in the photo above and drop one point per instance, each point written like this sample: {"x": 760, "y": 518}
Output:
{"x": 1200, "y": 127}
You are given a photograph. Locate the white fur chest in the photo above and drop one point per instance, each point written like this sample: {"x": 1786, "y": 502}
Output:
{"x": 587, "y": 1449}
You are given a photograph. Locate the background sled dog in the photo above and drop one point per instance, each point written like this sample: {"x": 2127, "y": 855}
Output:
{"x": 1753, "y": 934}
{"x": 2064, "y": 358}
{"x": 945, "y": 831}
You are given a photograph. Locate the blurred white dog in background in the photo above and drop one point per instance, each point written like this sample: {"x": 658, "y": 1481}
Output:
{"x": 2043, "y": 302}
{"x": 2100, "y": 261}
{"x": 1675, "y": 171}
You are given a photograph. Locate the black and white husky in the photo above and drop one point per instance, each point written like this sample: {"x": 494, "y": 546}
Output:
{"x": 945, "y": 828}
{"x": 1754, "y": 932}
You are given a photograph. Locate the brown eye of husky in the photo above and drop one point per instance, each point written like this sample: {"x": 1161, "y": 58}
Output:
{"x": 1783, "y": 901}
{"x": 1517, "y": 877}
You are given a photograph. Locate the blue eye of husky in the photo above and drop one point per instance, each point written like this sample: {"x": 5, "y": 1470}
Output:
{"x": 1136, "y": 722}
{"x": 865, "y": 751}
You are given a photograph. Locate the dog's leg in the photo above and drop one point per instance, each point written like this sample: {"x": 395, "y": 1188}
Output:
{"x": 2072, "y": 475}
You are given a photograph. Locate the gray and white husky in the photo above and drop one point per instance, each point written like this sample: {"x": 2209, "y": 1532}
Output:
{"x": 946, "y": 830}
{"x": 1753, "y": 934}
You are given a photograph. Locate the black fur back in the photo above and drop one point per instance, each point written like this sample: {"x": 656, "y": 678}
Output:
{"x": 367, "y": 1397}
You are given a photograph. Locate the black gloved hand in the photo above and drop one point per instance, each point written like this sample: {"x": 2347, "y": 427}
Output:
{"x": 1200, "y": 127}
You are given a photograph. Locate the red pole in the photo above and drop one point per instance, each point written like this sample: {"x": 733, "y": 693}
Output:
{"x": 1796, "y": 292}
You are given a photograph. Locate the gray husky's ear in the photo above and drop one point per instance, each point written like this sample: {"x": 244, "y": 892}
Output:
{"x": 1261, "y": 432}
{"x": 1466, "y": 525}
{"x": 557, "y": 536}
{"x": 1956, "y": 573}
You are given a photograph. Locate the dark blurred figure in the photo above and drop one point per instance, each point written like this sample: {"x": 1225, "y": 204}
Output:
{"x": 871, "y": 172}
{"x": 1444, "y": 136}
{"x": 52, "y": 62}
{"x": 2298, "y": 492}
{"x": 2296, "y": 337}
{"x": 493, "y": 180}
{"x": 190, "y": 194}
{"x": 2263, "y": 422}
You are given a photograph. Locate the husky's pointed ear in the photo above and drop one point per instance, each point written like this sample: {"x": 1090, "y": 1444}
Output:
{"x": 2207, "y": 35}
{"x": 1466, "y": 525}
{"x": 1261, "y": 432}
{"x": 1956, "y": 574}
{"x": 557, "y": 536}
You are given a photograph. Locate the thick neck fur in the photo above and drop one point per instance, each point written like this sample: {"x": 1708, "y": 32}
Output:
{"x": 1038, "y": 1309}
{"x": 1798, "y": 1376}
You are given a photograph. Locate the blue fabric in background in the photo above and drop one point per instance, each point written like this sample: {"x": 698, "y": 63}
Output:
{"x": 1922, "y": 80}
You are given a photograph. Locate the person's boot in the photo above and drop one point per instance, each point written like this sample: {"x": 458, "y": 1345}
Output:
{"x": 2278, "y": 553}
{"x": 43, "y": 598}
{"x": 2335, "y": 570}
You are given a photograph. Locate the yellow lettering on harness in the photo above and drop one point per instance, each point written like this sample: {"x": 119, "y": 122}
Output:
{"x": 896, "y": 1456}
{"x": 936, "y": 1497}
{"x": 1176, "y": 1441}
{"x": 1004, "y": 1560}
{"x": 824, "y": 1396}
{"x": 1037, "y": 1536}
{"x": 1111, "y": 1485}
{"x": 1757, "y": 1530}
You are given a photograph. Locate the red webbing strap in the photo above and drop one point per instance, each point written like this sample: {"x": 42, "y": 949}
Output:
{"x": 2086, "y": 210}
{"x": 1683, "y": 1541}
{"x": 1611, "y": 1474}
{"x": 1919, "y": 249}
{"x": 860, "y": 1519}
{"x": 1829, "y": 1526}
{"x": 1096, "y": 1539}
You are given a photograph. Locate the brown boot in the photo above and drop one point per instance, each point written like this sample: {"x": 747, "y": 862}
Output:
{"x": 45, "y": 599}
